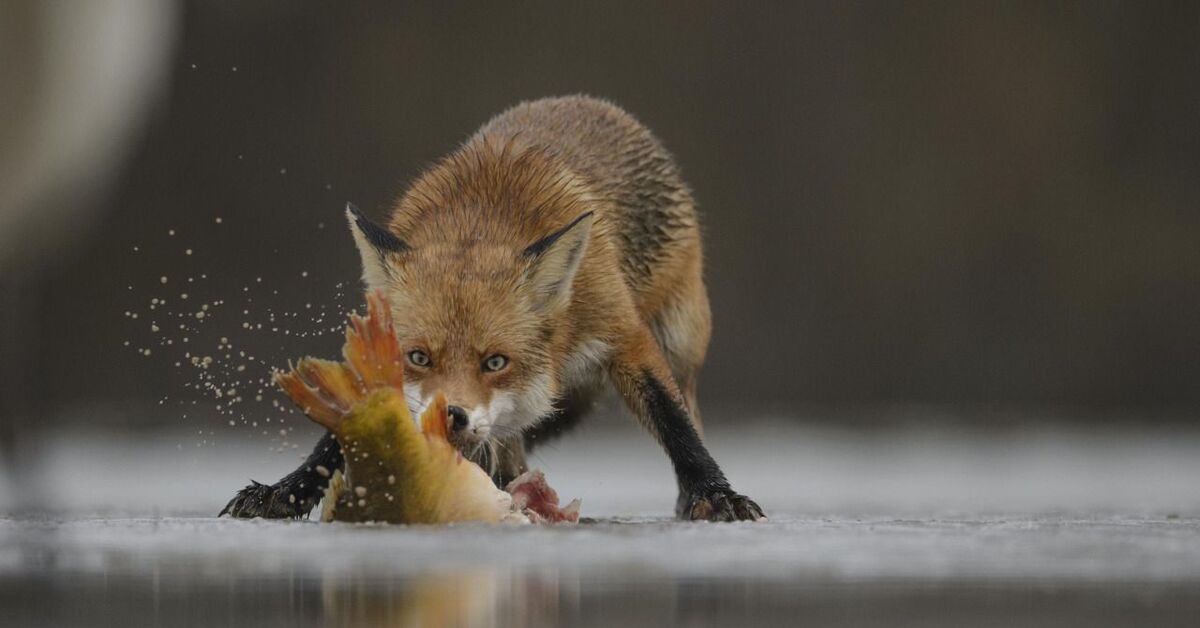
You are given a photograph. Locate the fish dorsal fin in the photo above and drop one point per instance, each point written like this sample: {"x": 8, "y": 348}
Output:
{"x": 436, "y": 419}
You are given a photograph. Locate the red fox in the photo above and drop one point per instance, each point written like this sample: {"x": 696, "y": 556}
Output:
{"x": 555, "y": 252}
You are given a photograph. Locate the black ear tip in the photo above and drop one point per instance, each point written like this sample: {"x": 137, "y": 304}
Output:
{"x": 357, "y": 217}
{"x": 379, "y": 237}
{"x": 539, "y": 247}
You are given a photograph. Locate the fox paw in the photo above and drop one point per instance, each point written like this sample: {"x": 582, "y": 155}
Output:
{"x": 268, "y": 502}
{"x": 717, "y": 505}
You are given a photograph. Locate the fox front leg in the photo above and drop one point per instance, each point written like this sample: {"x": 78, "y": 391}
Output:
{"x": 294, "y": 496}
{"x": 639, "y": 371}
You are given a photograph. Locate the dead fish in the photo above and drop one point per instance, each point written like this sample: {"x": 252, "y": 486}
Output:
{"x": 399, "y": 470}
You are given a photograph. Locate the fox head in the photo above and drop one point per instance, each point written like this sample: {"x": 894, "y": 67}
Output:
{"x": 472, "y": 317}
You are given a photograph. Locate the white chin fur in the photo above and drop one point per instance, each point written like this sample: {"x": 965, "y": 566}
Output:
{"x": 533, "y": 403}
{"x": 512, "y": 411}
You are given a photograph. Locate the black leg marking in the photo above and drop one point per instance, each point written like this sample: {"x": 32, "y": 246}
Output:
{"x": 294, "y": 496}
{"x": 704, "y": 493}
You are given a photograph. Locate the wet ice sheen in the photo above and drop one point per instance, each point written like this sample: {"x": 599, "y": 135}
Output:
{"x": 867, "y": 528}
{"x": 1113, "y": 549}
{"x": 634, "y": 572}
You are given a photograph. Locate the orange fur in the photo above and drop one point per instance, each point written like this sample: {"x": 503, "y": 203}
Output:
{"x": 462, "y": 288}
{"x": 561, "y": 237}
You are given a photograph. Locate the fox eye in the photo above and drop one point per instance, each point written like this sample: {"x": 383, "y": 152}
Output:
{"x": 419, "y": 358}
{"x": 495, "y": 363}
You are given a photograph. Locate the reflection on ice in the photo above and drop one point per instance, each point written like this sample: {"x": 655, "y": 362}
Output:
{"x": 902, "y": 528}
{"x": 467, "y": 597}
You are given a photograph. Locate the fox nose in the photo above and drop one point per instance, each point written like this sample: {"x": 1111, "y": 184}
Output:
{"x": 458, "y": 418}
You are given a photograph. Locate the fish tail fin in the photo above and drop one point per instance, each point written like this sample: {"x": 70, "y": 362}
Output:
{"x": 319, "y": 388}
{"x": 371, "y": 348}
{"x": 327, "y": 390}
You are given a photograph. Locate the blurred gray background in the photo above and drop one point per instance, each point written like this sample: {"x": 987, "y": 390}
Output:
{"x": 934, "y": 232}
{"x": 953, "y": 204}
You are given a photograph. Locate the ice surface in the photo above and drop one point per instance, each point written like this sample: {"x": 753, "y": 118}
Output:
{"x": 633, "y": 572}
{"x": 1094, "y": 550}
{"x": 892, "y": 527}
{"x": 618, "y": 471}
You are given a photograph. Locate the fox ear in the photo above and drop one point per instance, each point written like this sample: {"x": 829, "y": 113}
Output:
{"x": 554, "y": 259}
{"x": 374, "y": 243}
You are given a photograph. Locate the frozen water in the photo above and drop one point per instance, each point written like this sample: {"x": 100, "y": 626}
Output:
{"x": 618, "y": 471}
{"x": 889, "y": 527}
{"x": 1111, "y": 550}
